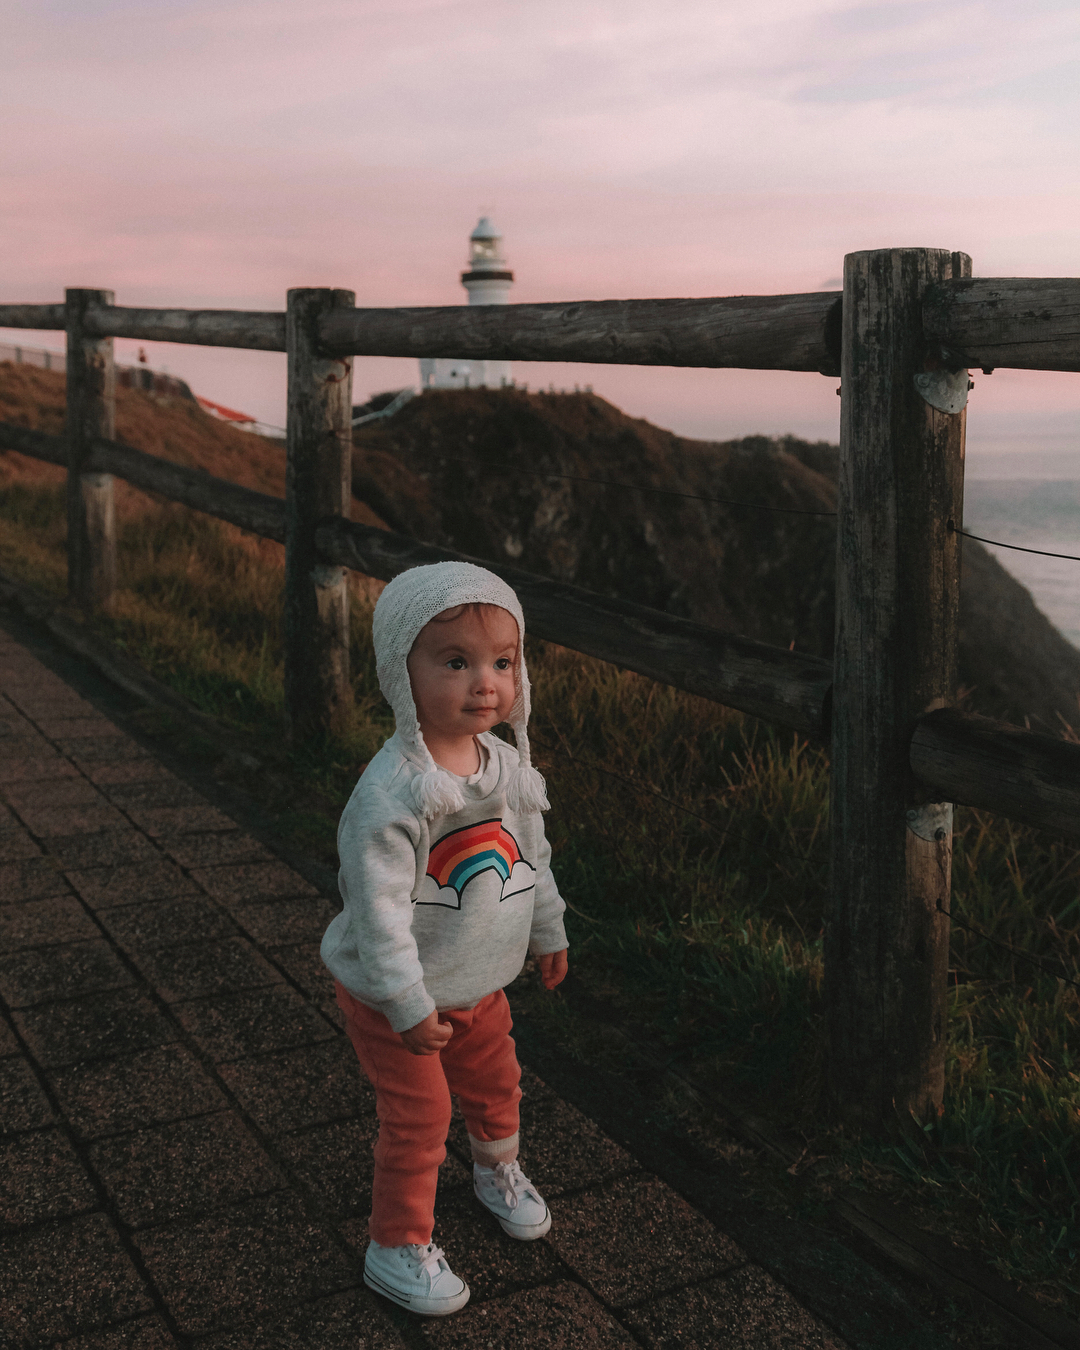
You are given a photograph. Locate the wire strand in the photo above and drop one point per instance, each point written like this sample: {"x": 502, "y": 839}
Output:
{"x": 997, "y": 543}
{"x": 1036, "y": 961}
{"x": 632, "y": 487}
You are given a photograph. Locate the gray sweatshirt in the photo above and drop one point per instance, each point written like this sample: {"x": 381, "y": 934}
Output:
{"x": 439, "y": 913}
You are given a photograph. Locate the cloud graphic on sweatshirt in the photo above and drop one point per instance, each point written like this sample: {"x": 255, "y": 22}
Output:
{"x": 463, "y": 854}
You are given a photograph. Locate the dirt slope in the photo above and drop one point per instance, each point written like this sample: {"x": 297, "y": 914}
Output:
{"x": 465, "y": 468}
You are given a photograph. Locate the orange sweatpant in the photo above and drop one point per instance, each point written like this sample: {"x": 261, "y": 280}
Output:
{"x": 412, "y": 1097}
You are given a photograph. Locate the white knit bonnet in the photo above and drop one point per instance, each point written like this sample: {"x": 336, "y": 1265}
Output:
{"x": 409, "y": 602}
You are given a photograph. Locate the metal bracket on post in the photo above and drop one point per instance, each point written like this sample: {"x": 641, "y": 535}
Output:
{"x": 946, "y": 390}
{"x": 932, "y": 821}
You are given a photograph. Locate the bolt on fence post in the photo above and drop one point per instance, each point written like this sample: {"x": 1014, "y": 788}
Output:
{"x": 898, "y": 585}
{"x": 91, "y": 413}
{"x": 318, "y": 484}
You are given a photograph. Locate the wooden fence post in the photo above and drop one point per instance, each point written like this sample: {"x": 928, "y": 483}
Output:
{"x": 318, "y": 484}
{"x": 898, "y": 582}
{"x": 91, "y": 412}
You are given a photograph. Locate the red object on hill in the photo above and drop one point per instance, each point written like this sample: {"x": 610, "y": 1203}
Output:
{"x": 226, "y": 414}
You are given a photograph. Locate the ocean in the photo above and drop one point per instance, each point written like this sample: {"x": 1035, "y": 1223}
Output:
{"x": 1031, "y": 497}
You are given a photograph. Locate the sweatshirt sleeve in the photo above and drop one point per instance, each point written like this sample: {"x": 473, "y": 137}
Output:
{"x": 370, "y": 946}
{"x": 547, "y": 934}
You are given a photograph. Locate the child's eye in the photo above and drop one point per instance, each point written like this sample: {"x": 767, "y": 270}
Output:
{"x": 456, "y": 663}
{"x": 503, "y": 663}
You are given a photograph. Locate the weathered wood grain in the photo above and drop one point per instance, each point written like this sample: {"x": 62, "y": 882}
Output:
{"x": 999, "y": 767}
{"x": 91, "y": 413}
{"x": 33, "y": 316}
{"x": 756, "y": 332}
{"x": 253, "y": 511}
{"x": 259, "y": 330}
{"x": 318, "y": 472}
{"x": 898, "y": 576}
{"x": 770, "y": 682}
{"x": 1025, "y": 323}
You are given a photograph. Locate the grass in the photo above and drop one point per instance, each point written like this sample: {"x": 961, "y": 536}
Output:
{"x": 690, "y": 844}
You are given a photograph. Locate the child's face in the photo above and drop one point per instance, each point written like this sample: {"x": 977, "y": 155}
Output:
{"x": 462, "y": 672}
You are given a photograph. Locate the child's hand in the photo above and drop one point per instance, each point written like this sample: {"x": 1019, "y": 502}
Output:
{"x": 427, "y": 1037}
{"x": 553, "y": 968}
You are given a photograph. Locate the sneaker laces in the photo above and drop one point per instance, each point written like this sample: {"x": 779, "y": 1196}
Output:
{"x": 427, "y": 1258}
{"x": 512, "y": 1182}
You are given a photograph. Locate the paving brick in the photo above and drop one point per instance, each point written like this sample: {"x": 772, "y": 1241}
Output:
{"x": 662, "y": 1244}
{"x": 192, "y": 918}
{"x": 559, "y": 1316}
{"x": 108, "y": 849}
{"x": 335, "y": 1161}
{"x": 16, "y": 841}
{"x": 297, "y": 1088}
{"x": 116, "y": 1023}
{"x": 23, "y": 1105}
{"x": 237, "y": 1266}
{"x": 8, "y": 1044}
{"x": 183, "y": 1170}
{"x": 131, "y": 883}
{"x": 31, "y": 879}
{"x": 144, "y": 1333}
{"x": 64, "y": 820}
{"x": 746, "y": 1310}
{"x": 140, "y": 769}
{"x": 215, "y": 850}
{"x": 69, "y": 791}
{"x": 151, "y": 1087}
{"x": 41, "y": 1178}
{"x": 164, "y": 791}
{"x": 255, "y": 1022}
{"x": 44, "y": 974}
{"x": 72, "y": 728}
{"x": 170, "y": 820}
{"x": 35, "y": 768}
{"x": 349, "y": 1321}
{"x": 52, "y": 699}
{"x": 114, "y": 749}
{"x": 303, "y": 964}
{"x": 67, "y": 1278}
{"x": 252, "y": 881}
{"x": 189, "y": 971}
{"x": 41, "y": 923}
{"x": 276, "y": 923}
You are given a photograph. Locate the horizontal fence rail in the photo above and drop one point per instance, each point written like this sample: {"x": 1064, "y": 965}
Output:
{"x": 256, "y": 512}
{"x": 959, "y": 757}
{"x": 1021, "y": 323}
{"x": 33, "y": 316}
{"x": 1024, "y": 323}
{"x": 996, "y": 766}
{"x": 758, "y": 332}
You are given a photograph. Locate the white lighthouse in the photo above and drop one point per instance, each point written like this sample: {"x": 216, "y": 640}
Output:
{"x": 488, "y": 282}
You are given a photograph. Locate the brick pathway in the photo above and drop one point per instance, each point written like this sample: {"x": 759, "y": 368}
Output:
{"x": 185, "y": 1155}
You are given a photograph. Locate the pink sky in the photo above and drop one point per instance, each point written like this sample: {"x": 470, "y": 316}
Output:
{"x": 189, "y": 153}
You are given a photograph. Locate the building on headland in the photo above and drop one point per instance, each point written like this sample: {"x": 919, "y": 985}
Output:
{"x": 488, "y": 281}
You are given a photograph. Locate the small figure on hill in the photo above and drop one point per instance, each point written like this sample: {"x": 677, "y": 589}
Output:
{"x": 447, "y": 887}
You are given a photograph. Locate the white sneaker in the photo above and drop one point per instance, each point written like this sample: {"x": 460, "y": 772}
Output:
{"x": 416, "y": 1278}
{"x": 513, "y": 1199}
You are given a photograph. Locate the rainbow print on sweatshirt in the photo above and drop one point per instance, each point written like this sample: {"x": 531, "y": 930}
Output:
{"x": 469, "y": 852}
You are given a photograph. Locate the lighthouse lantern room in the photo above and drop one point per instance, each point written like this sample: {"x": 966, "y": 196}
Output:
{"x": 488, "y": 282}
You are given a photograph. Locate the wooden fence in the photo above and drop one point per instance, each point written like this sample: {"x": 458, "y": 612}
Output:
{"x": 902, "y": 335}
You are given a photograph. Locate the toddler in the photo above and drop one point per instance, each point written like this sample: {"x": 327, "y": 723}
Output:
{"x": 447, "y": 887}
